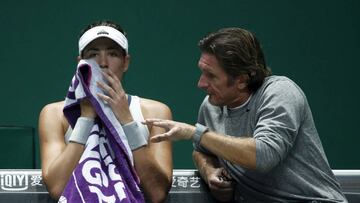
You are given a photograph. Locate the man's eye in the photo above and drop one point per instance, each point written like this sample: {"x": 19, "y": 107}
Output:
{"x": 210, "y": 75}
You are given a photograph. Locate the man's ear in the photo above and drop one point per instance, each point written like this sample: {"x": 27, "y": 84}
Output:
{"x": 126, "y": 62}
{"x": 78, "y": 58}
{"x": 241, "y": 81}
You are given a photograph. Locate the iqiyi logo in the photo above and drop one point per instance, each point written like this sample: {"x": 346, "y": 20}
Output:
{"x": 14, "y": 182}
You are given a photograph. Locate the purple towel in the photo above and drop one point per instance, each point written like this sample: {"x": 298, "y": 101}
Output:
{"x": 103, "y": 174}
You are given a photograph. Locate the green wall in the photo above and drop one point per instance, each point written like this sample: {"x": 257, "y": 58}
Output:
{"x": 316, "y": 43}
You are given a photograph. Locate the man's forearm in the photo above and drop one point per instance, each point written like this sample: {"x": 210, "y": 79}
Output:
{"x": 237, "y": 150}
{"x": 204, "y": 163}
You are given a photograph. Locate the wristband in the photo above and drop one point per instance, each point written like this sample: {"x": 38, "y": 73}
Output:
{"x": 81, "y": 130}
{"x": 135, "y": 136}
{"x": 199, "y": 132}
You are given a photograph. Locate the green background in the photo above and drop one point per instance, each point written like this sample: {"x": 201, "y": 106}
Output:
{"x": 315, "y": 43}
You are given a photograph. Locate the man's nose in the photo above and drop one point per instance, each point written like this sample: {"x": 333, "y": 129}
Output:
{"x": 202, "y": 83}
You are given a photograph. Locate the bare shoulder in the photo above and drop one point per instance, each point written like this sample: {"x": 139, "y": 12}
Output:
{"x": 53, "y": 113}
{"x": 155, "y": 109}
{"x": 52, "y": 109}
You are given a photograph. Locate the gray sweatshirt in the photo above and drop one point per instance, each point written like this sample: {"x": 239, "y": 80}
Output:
{"x": 291, "y": 165}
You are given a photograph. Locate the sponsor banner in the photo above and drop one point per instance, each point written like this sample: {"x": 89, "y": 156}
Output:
{"x": 30, "y": 181}
{"x": 21, "y": 181}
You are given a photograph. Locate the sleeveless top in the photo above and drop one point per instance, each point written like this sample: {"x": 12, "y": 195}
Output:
{"x": 135, "y": 110}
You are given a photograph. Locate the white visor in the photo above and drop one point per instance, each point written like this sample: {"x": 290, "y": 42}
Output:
{"x": 103, "y": 31}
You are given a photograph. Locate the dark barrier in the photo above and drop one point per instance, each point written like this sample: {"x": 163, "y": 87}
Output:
{"x": 17, "y": 140}
{"x": 27, "y": 186}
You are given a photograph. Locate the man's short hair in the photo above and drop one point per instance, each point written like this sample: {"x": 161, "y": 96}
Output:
{"x": 238, "y": 52}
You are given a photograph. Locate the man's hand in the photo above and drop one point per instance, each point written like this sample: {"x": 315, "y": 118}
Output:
{"x": 115, "y": 97}
{"x": 174, "y": 130}
{"x": 220, "y": 184}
